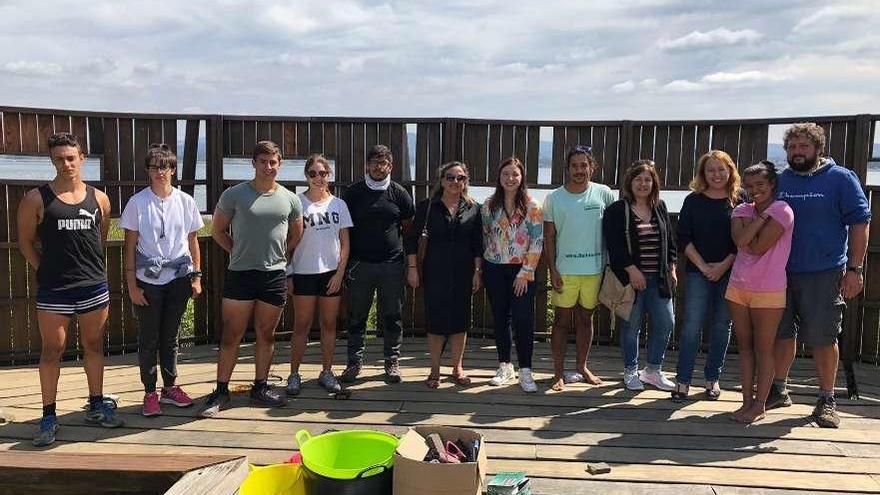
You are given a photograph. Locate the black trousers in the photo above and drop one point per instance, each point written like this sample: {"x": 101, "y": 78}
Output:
{"x": 512, "y": 314}
{"x": 159, "y": 325}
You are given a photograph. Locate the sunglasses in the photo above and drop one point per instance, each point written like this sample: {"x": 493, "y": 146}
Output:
{"x": 455, "y": 178}
{"x": 315, "y": 173}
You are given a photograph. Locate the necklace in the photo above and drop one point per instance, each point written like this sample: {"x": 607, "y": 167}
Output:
{"x": 645, "y": 217}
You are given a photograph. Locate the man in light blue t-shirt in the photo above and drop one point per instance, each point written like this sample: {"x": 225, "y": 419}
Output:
{"x": 575, "y": 256}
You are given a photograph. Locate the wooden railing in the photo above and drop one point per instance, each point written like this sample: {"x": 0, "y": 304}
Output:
{"x": 120, "y": 141}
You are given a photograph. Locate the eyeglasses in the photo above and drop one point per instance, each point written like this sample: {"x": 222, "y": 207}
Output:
{"x": 379, "y": 163}
{"x": 455, "y": 178}
{"x": 315, "y": 173}
{"x": 161, "y": 168}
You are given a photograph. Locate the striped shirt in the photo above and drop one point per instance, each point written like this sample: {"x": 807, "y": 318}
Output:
{"x": 649, "y": 245}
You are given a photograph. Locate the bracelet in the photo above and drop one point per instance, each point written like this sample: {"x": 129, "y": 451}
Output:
{"x": 195, "y": 274}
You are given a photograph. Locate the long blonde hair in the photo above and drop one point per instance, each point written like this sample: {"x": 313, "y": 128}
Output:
{"x": 699, "y": 184}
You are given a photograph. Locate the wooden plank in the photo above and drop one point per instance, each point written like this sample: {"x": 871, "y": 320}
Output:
{"x": 142, "y": 140}
{"x": 62, "y": 124}
{"x": 343, "y": 153}
{"x": 661, "y": 150}
{"x": 397, "y": 143}
{"x": 673, "y": 158}
{"x": 155, "y": 134}
{"x": 11, "y": 133}
{"x": 557, "y": 172}
{"x": 264, "y": 131}
{"x": 371, "y": 137}
{"x": 29, "y": 133}
{"x": 520, "y": 142}
{"x": 45, "y": 128}
{"x": 288, "y": 142}
{"x": 169, "y": 134}
{"x": 79, "y": 129}
{"x": 611, "y": 160}
{"x": 96, "y": 135}
{"x": 494, "y": 158}
{"x": 689, "y": 162}
{"x": 235, "y": 138}
{"x": 359, "y": 152}
{"x": 726, "y": 138}
{"x": 277, "y": 133}
{"x": 249, "y": 137}
{"x": 383, "y": 135}
{"x": 316, "y": 137}
{"x": 110, "y": 162}
{"x": 646, "y": 143}
{"x": 115, "y": 323}
{"x": 190, "y": 153}
{"x": 476, "y": 137}
{"x": 302, "y": 140}
{"x": 330, "y": 140}
{"x": 532, "y": 159}
{"x": 837, "y": 142}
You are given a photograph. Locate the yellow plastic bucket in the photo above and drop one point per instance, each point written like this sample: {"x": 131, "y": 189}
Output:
{"x": 277, "y": 479}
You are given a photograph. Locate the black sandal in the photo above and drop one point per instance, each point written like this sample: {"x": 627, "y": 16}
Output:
{"x": 681, "y": 392}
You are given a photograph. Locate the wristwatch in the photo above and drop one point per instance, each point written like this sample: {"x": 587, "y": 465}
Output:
{"x": 195, "y": 274}
{"x": 858, "y": 269}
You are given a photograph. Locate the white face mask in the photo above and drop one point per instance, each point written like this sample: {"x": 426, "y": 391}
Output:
{"x": 377, "y": 185}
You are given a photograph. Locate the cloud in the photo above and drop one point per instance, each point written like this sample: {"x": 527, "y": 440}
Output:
{"x": 716, "y": 38}
{"x": 683, "y": 85}
{"x": 724, "y": 79}
{"x": 35, "y": 69}
{"x": 623, "y": 87}
{"x": 834, "y": 14}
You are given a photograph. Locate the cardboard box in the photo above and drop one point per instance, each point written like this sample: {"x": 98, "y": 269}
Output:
{"x": 413, "y": 476}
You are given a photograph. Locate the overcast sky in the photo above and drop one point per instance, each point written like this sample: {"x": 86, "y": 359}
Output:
{"x": 662, "y": 59}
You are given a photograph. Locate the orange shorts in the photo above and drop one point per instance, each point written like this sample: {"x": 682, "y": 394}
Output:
{"x": 751, "y": 299}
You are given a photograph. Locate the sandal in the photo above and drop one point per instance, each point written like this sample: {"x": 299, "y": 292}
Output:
{"x": 433, "y": 381}
{"x": 713, "y": 390}
{"x": 462, "y": 380}
{"x": 680, "y": 393}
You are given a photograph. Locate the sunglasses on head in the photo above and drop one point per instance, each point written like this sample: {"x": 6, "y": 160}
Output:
{"x": 315, "y": 173}
{"x": 455, "y": 178}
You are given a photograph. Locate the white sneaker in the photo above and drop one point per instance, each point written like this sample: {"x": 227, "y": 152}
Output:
{"x": 656, "y": 379}
{"x": 504, "y": 375}
{"x": 526, "y": 381}
{"x": 631, "y": 380}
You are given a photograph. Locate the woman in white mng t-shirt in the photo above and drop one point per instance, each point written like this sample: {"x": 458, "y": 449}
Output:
{"x": 317, "y": 270}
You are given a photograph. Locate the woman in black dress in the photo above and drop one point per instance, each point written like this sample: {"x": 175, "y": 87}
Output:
{"x": 451, "y": 267}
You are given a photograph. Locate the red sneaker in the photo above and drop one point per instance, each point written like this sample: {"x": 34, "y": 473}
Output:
{"x": 175, "y": 396}
{"x": 151, "y": 405}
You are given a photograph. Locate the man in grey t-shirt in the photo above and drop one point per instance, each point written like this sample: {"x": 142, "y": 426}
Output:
{"x": 266, "y": 224}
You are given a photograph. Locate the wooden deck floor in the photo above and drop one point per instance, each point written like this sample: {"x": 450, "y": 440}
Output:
{"x": 653, "y": 445}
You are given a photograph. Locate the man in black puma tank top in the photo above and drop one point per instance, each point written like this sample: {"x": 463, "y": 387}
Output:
{"x": 62, "y": 226}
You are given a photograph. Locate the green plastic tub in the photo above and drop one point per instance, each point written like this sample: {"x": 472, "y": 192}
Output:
{"x": 345, "y": 455}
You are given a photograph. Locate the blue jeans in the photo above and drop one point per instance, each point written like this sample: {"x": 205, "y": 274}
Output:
{"x": 704, "y": 300}
{"x": 659, "y": 309}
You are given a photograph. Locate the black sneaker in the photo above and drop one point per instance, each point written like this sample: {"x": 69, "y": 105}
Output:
{"x": 266, "y": 396}
{"x": 350, "y": 374}
{"x": 392, "y": 371}
{"x": 216, "y": 402}
{"x": 825, "y": 413}
{"x": 777, "y": 398}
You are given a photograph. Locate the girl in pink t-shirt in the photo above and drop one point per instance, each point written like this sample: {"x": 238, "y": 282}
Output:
{"x": 756, "y": 293}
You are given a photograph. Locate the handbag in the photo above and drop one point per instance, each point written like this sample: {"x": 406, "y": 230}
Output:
{"x": 613, "y": 294}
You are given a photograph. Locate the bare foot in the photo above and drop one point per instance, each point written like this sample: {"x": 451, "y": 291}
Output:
{"x": 738, "y": 414}
{"x": 754, "y": 413}
{"x": 590, "y": 378}
{"x": 557, "y": 384}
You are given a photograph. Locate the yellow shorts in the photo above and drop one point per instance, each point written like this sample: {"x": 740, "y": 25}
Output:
{"x": 578, "y": 289}
{"x": 760, "y": 300}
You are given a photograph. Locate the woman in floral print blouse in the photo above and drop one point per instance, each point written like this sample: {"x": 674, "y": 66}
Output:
{"x": 513, "y": 236}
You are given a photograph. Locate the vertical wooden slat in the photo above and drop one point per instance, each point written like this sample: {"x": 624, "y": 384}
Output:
{"x": 611, "y": 159}
{"x": 557, "y": 172}
{"x": 673, "y": 158}
{"x": 316, "y": 137}
{"x": 371, "y": 137}
{"x": 330, "y": 140}
{"x": 661, "y": 150}
{"x": 78, "y": 127}
{"x": 6, "y": 222}
{"x": 597, "y": 142}
{"x": 11, "y": 132}
{"x": 169, "y": 134}
{"x": 507, "y": 141}
{"x": 726, "y": 138}
{"x": 264, "y": 131}
{"x": 302, "y": 139}
{"x": 572, "y": 138}
{"x": 29, "y": 133}
{"x": 45, "y": 128}
{"x": 126, "y": 159}
{"x": 19, "y": 313}
{"x": 62, "y": 124}
{"x": 142, "y": 139}
{"x": 248, "y": 136}
{"x": 476, "y": 154}
{"x": 235, "y": 137}
{"x": 343, "y": 153}
{"x": 520, "y": 142}
{"x": 277, "y": 133}
{"x": 115, "y": 321}
{"x": 110, "y": 163}
{"x": 288, "y": 143}
{"x": 837, "y": 143}
{"x": 435, "y": 156}
{"x": 383, "y": 135}
{"x": 359, "y": 152}
{"x": 646, "y": 143}
{"x": 96, "y": 135}
{"x": 155, "y": 134}
{"x": 190, "y": 153}
{"x": 533, "y": 157}
{"x": 227, "y": 138}
{"x": 494, "y": 152}
{"x": 397, "y": 143}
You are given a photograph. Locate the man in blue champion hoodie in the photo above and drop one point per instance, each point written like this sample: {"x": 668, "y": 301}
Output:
{"x": 831, "y": 217}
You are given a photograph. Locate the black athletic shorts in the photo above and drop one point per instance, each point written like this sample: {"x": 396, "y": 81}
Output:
{"x": 255, "y": 285}
{"x": 313, "y": 284}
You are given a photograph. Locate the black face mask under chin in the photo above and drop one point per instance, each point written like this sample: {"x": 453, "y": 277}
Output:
{"x": 802, "y": 166}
